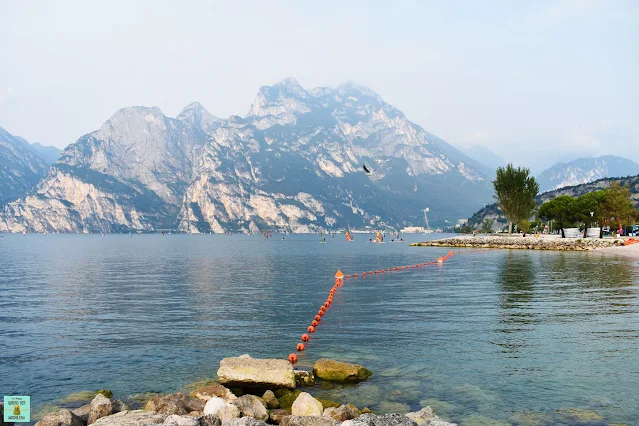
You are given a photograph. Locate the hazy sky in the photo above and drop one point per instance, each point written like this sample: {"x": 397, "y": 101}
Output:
{"x": 534, "y": 81}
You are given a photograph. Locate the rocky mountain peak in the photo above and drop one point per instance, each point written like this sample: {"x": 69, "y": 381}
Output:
{"x": 196, "y": 115}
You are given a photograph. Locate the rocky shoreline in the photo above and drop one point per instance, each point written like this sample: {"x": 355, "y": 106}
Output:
{"x": 530, "y": 242}
{"x": 248, "y": 392}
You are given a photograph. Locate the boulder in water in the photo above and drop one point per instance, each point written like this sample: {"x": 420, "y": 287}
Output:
{"x": 247, "y": 372}
{"x": 306, "y": 405}
{"x": 336, "y": 371}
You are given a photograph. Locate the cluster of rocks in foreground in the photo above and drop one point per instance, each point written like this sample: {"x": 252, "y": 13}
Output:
{"x": 518, "y": 242}
{"x": 259, "y": 392}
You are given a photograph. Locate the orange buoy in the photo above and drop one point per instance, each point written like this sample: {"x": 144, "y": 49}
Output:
{"x": 339, "y": 275}
{"x": 348, "y": 276}
{"x": 304, "y": 337}
{"x": 320, "y": 313}
{"x": 440, "y": 260}
{"x": 317, "y": 318}
{"x": 330, "y": 300}
{"x": 322, "y": 308}
{"x": 311, "y": 329}
{"x": 314, "y": 323}
{"x": 355, "y": 275}
{"x": 292, "y": 358}
{"x": 382, "y": 271}
{"x": 370, "y": 272}
{"x": 363, "y": 274}
{"x": 300, "y": 347}
{"x": 326, "y": 304}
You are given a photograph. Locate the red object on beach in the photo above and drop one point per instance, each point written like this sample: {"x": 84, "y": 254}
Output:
{"x": 311, "y": 329}
{"x": 304, "y": 337}
{"x": 292, "y": 358}
{"x": 300, "y": 347}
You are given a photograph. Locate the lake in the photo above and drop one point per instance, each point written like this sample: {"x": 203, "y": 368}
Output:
{"x": 489, "y": 336}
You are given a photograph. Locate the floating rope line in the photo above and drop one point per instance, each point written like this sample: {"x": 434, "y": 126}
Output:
{"x": 339, "y": 281}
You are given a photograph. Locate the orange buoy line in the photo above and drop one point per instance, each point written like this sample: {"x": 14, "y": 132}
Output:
{"x": 339, "y": 281}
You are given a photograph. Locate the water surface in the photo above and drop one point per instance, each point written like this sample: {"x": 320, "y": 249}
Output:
{"x": 481, "y": 339}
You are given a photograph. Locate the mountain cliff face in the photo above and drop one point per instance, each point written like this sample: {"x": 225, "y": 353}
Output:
{"x": 20, "y": 167}
{"x": 584, "y": 170}
{"x": 293, "y": 162}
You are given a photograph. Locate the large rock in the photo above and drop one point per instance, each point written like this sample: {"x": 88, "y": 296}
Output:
{"x": 62, "y": 417}
{"x": 342, "y": 413}
{"x": 83, "y": 412}
{"x": 210, "y": 420}
{"x": 252, "y": 406}
{"x": 100, "y": 407}
{"x": 224, "y": 410}
{"x": 270, "y": 399}
{"x": 247, "y": 372}
{"x": 244, "y": 421}
{"x": 215, "y": 389}
{"x": 385, "y": 420}
{"x": 131, "y": 418}
{"x": 176, "y": 420}
{"x": 426, "y": 417}
{"x": 119, "y": 405}
{"x": 176, "y": 403}
{"x": 336, "y": 371}
{"x": 308, "y": 421}
{"x": 306, "y": 405}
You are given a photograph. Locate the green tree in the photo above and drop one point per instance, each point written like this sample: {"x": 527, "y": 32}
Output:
{"x": 615, "y": 207}
{"x": 487, "y": 226}
{"x": 523, "y": 225}
{"x": 586, "y": 209}
{"x": 515, "y": 191}
{"x": 561, "y": 209}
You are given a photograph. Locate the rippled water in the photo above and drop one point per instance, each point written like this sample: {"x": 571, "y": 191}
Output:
{"x": 482, "y": 339}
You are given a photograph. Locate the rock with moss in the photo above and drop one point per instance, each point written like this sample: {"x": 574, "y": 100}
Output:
{"x": 252, "y": 406}
{"x": 62, "y": 417}
{"x": 252, "y": 373}
{"x": 210, "y": 390}
{"x": 132, "y": 418}
{"x": 100, "y": 407}
{"x": 306, "y": 405}
{"x": 336, "y": 371}
{"x": 327, "y": 403}
{"x": 308, "y": 421}
{"x": 270, "y": 399}
{"x": 579, "y": 416}
{"x": 342, "y": 413}
{"x": 106, "y": 393}
{"x": 176, "y": 403}
{"x": 287, "y": 397}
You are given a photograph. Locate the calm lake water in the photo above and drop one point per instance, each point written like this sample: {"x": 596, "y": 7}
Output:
{"x": 489, "y": 336}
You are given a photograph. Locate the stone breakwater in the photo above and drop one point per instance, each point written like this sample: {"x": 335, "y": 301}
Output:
{"x": 523, "y": 243}
{"x": 260, "y": 392}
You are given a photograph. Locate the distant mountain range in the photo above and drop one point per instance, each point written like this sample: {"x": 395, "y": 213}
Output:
{"x": 294, "y": 162}
{"x": 21, "y": 165}
{"x": 486, "y": 157}
{"x": 584, "y": 170}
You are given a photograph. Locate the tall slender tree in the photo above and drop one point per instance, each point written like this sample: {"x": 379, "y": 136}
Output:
{"x": 515, "y": 191}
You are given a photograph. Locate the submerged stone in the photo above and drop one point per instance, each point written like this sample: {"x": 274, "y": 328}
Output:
{"x": 336, "y": 371}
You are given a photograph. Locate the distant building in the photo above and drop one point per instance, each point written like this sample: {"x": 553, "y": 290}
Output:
{"x": 413, "y": 230}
